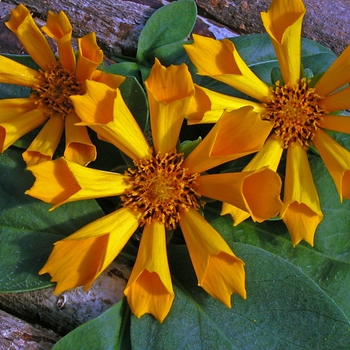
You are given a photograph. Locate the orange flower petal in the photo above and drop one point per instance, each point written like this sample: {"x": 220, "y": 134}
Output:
{"x": 12, "y": 72}
{"x": 336, "y": 123}
{"x": 283, "y": 22}
{"x": 337, "y": 101}
{"x": 104, "y": 110}
{"x": 256, "y": 192}
{"x": 112, "y": 80}
{"x": 61, "y": 181}
{"x": 58, "y": 27}
{"x": 169, "y": 92}
{"x": 220, "y": 273}
{"x": 79, "y": 148}
{"x": 222, "y": 62}
{"x": 207, "y": 106}
{"x": 90, "y": 56}
{"x": 301, "y": 210}
{"x": 45, "y": 143}
{"x": 18, "y": 117}
{"x": 22, "y": 24}
{"x": 235, "y": 135}
{"x": 337, "y": 161}
{"x": 336, "y": 76}
{"x": 269, "y": 156}
{"x": 80, "y": 258}
{"x": 149, "y": 289}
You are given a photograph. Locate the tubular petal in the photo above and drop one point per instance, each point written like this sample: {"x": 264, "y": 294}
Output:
{"x": 18, "y": 117}
{"x": 337, "y": 75}
{"x": 45, "y": 143}
{"x": 301, "y": 210}
{"x": 337, "y": 101}
{"x": 256, "y": 192}
{"x": 112, "y": 80}
{"x": 79, "y": 148}
{"x": 59, "y": 28}
{"x": 220, "y": 273}
{"x": 90, "y": 56}
{"x": 12, "y": 72}
{"x": 22, "y": 24}
{"x": 149, "y": 289}
{"x": 80, "y": 258}
{"x": 337, "y": 161}
{"x": 223, "y": 62}
{"x": 238, "y": 215}
{"x": 111, "y": 119}
{"x": 217, "y": 103}
{"x": 74, "y": 263}
{"x": 54, "y": 182}
{"x": 169, "y": 92}
{"x": 235, "y": 135}
{"x": 283, "y": 22}
{"x": 336, "y": 123}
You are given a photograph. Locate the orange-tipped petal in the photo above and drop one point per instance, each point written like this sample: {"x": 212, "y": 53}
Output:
{"x": 104, "y": 110}
{"x": 61, "y": 181}
{"x": 12, "y": 72}
{"x": 45, "y": 143}
{"x": 256, "y": 192}
{"x": 269, "y": 156}
{"x": 301, "y": 211}
{"x": 90, "y": 56}
{"x": 207, "y": 106}
{"x": 337, "y": 101}
{"x": 235, "y": 135}
{"x": 149, "y": 289}
{"x": 112, "y": 80}
{"x": 80, "y": 258}
{"x": 337, "y": 161}
{"x": 22, "y": 24}
{"x": 222, "y": 62}
{"x": 169, "y": 91}
{"x": 79, "y": 148}
{"x": 336, "y": 76}
{"x": 18, "y": 117}
{"x": 58, "y": 27}
{"x": 220, "y": 273}
{"x": 283, "y": 22}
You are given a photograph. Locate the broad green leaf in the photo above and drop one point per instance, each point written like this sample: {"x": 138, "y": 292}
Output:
{"x": 170, "y": 24}
{"x": 28, "y": 229}
{"x": 284, "y": 310}
{"x": 109, "y": 331}
{"x": 125, "y": 69}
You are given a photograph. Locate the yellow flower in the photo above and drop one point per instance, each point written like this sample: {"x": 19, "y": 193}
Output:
{"x": 51, "y": 86}
{"x": 300, "y": 113}
{"x": 163, "y": 190}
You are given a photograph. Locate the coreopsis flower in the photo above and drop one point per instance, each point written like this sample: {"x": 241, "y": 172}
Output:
{"x": 161, "y": 192}
{"x": 300, "y": 110}
{"x": 51, "y": 86}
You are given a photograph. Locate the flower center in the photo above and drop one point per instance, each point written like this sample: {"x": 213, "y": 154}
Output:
{"x": 159, "y": 188}
{"x": 296, "y": 112}
{"x": 57, "y": 85}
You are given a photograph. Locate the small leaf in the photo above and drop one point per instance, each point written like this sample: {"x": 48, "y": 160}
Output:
{"x": 170, "y": 24}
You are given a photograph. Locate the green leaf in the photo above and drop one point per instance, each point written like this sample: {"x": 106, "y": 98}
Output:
{"x": 284, "y": 310}
{"x": 125, "y": 69}
{"x": 106, "y": 332}
{"x": 170, "y": 24}
{"x": 28, "y": 229}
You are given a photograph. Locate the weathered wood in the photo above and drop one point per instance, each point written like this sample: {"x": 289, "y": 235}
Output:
{"x": 16, "y": 334}
{"x": 66, "y": 311}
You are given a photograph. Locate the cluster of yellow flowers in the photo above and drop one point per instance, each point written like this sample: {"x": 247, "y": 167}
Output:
{"x": 164, "y": 189}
